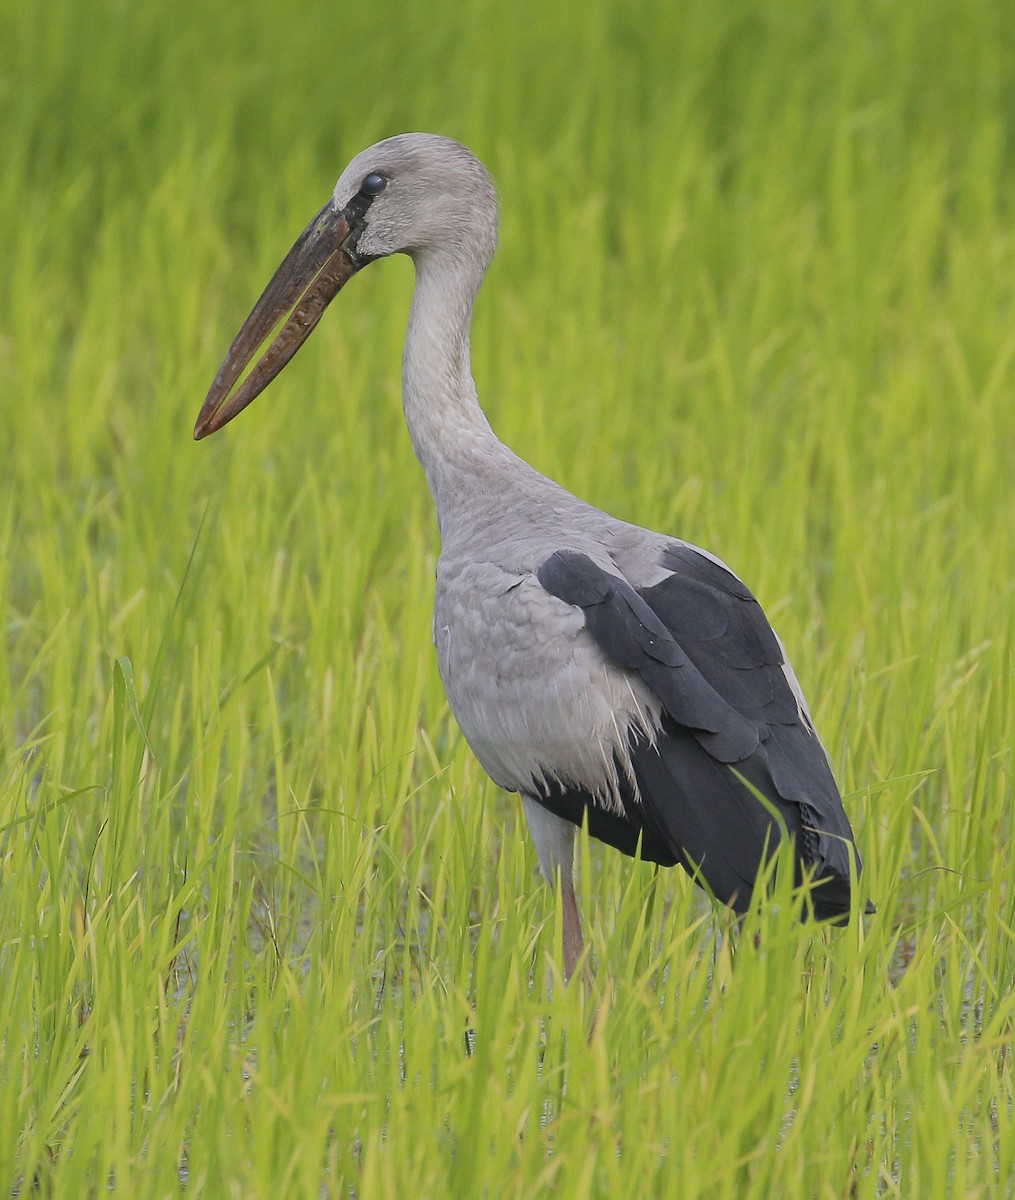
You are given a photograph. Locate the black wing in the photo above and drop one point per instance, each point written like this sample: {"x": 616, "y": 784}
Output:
{"x": 700, "y": 641}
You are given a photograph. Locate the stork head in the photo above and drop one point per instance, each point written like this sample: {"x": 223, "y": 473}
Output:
{"x": 416, "y": 194}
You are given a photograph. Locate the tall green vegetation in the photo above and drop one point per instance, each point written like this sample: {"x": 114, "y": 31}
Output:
{"x": 265, "y": 928}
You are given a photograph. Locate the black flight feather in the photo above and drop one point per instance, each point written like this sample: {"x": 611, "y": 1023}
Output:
{"x": 700, "y": 641}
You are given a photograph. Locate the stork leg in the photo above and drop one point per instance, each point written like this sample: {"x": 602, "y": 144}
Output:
{"x": 574, "y": 943}
{"x": 554, "y": 838}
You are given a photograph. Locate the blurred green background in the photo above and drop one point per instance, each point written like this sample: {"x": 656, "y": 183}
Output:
{"x": 266, "y": 928}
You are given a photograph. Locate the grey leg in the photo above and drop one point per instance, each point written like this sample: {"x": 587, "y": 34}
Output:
{"x": 554, "y": 840}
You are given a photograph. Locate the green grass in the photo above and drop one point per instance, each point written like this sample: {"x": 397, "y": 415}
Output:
{"x": 265, "y": 928}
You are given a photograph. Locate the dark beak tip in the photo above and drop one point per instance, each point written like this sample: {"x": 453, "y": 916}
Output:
{"x": 204, "y": 425}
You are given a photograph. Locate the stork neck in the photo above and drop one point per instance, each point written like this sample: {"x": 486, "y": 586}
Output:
{"x": 450, "y": 433}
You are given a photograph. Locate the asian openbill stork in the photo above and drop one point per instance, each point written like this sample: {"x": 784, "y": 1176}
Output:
{"x": 604, "y": 672}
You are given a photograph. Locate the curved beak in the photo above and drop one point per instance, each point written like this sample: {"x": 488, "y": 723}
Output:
{"x": 310, "y": 277}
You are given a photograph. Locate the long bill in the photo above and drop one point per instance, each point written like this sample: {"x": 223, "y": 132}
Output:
{"x": 310, "y": 277}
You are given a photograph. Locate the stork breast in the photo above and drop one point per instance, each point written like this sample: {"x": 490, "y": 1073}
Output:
{"x": 532, "y": 692}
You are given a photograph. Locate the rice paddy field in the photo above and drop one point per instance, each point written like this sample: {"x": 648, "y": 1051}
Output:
{"x": 266, "y": 929}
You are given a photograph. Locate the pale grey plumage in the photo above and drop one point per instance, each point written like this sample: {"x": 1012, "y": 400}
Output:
{"x": 603, "y": 671}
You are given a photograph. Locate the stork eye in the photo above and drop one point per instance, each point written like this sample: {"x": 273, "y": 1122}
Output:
{"x": 373, "y": 185}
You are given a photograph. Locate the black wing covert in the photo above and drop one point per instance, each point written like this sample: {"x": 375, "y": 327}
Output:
{"x": 700, "y": 641}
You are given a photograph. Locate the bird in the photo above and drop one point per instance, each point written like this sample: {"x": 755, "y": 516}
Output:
{"x": 612, "y": 676}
